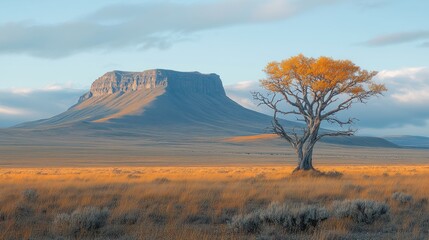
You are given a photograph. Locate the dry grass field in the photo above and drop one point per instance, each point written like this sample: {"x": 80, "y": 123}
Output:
{"x": 234, "y": 202}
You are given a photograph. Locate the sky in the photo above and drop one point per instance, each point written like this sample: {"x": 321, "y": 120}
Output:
{"x": 51, "y": 51}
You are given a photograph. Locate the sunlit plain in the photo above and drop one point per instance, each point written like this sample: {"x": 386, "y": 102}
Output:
{"x": 201, "y": 202}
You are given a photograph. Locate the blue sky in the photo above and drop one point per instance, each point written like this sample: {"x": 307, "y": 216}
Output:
{"x": 54, "y": 50}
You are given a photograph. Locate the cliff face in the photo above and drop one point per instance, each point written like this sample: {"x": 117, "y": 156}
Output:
{"x": 174, "y": 82}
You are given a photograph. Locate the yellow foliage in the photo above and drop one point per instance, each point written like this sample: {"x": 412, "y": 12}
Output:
{"x": 377, "y": 87}
{"x": 321, "y": 75}
{"x": 356, "y": 90}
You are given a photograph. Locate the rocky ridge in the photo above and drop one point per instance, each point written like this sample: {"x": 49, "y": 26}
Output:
{"x": 179, "y": 82}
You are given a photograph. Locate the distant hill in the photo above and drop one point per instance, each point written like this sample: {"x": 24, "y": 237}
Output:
{"x": 158, "y": 99}
{"x": 165, "y": 103}
{"x": 409, "y": 141}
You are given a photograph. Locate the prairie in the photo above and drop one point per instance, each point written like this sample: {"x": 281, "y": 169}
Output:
{"x": 214, "y": 202}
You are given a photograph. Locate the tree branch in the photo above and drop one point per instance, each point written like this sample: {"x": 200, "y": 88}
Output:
{"x": 349, "y": 132}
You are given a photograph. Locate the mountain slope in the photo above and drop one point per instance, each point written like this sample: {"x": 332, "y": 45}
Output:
{"x": 409, "y": 141}
{"x": 159, "y": 99}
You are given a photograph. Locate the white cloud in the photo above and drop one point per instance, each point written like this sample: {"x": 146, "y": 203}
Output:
{"x": 240, "y": 92}
{"x": 396, "y": 38}
{"x": 413, "y": 73}
{"x": 21, "y": 105}
{"x": 243, "y": 85}
{"x": 57, "y": 87}
{"x": 407, "y": 85}
{"x": 4, "y": 110}
{"x": 243, "y": 101}
{"x": 412, "y": 95}
{"x": 141, "y": 26}
{"x": 275, "y": 9}
{"x": 21, "y": 91}
{"x": 51, "y": 87}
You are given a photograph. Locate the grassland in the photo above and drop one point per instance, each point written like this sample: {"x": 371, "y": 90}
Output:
{"x": 211, "y": 202}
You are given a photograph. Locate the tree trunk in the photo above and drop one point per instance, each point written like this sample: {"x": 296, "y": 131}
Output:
{"x": 305, "y": 158}
{"x": 304, "y": 149}
{"x": 306, "y": 162}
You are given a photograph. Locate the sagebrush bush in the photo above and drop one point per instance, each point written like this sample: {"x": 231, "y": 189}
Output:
{"x": 291, "y": 218}
{"x": 361, "y": 211}
{"x": 30, "y": 195}
{"x": 198, "y": 219}
{"x": 158, "y": 218}
{"x": 23, "y": 212}
{"x": 226, "y": 215}
{"x": 249, "y": 223}
{"x": 128, "y": 218}
{"x": 402, "y": 197}
{"x": 113, "y": 232}
{"x": 85, "y": 219}
{"x": 2, "y": 216}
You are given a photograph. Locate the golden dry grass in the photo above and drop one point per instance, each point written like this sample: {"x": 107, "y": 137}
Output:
{"x": 198, "y": 202}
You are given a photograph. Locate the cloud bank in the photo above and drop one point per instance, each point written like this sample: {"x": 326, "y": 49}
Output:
{"x": 21, "y": 105}
{"x": 397, "y": 38}
{"x": 147, "y": 25}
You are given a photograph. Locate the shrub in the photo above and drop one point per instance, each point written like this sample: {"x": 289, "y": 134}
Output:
{"x": 249, "y": 223}
{"x": 361, "y": 211}
{"x": 226, "y": 215}
{"x": 422, "y": 203}
{"x": 310, "y": 216}
{"x": 198, "y": 219}
{"x": 292, "y": 218}
{"x": 23, "y": 212}
{"x": 158, "y": 218}
{"x": 113, "y": 232}
{"x": 276, "y": 214}
{"x": 252, "y": 204}
{"x": 30, "y": 195}
{"x": 402, "y": 197}
{"x": 272, "y": 233}
{"x": 128, "y": 218}
{"x": 63, "y": 224}
{"x": 86, "y": 219}
{"x": 333, "y": 235}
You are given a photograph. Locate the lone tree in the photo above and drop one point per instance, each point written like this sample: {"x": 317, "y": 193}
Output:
{"x": 314, "y": 90}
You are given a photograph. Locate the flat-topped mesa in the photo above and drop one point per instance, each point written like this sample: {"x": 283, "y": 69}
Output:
{"x": 174, "y": 82}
